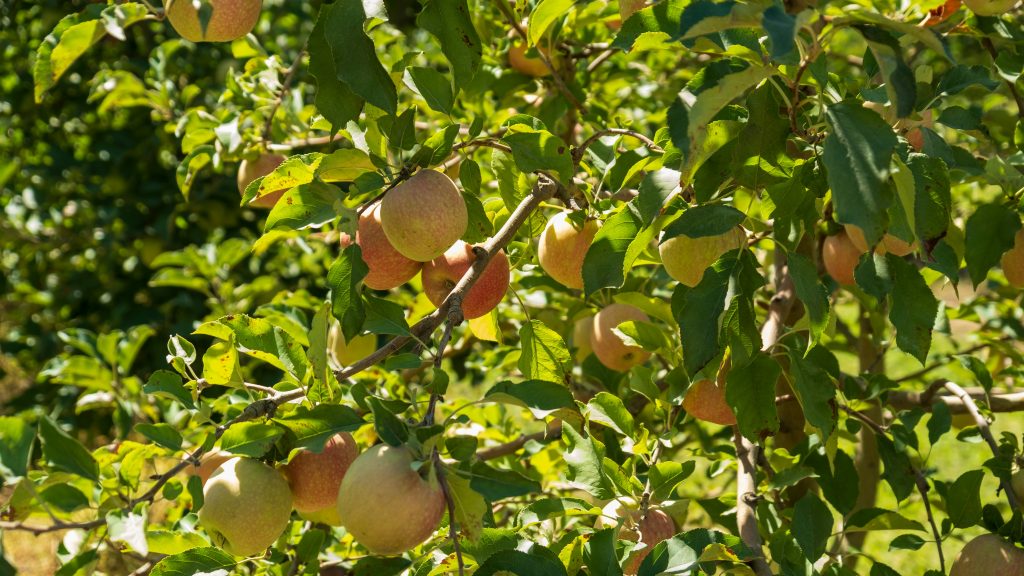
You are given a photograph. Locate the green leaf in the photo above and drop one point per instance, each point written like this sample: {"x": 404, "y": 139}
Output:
{"x": 602, "y": 560}
{"x": 435, "y": 88}
{"x": 553, "y": 507}
{"x": 496, "y": 484}
{"x": 390, "y": 428}
{"x": 913, "y": 310}
{"x": 759, "y": 155}
{"x": 16, "y": 439}
{"x": 543, "y": 16}
{"x": 856, "y": 156}
{"x": 65, "y": 453}
{"x": 609, "y": 410}
{"x": 963, "y": 499}
{"x": 252, "y": 439}
{"x": 306, "y": 206}
{"x": 451, "y": 23}
{"x": 220, "y": 364}
{"x": 380, "y": 566}
{"x": 654, "y": 190}
{"x": 311, "y": 428}
{"x": 712, "y": 100}
{"x": 932, "y": 198}
{"x": 260, "y": 339}
{"x": 470, "y": 506}
{"x": 878, "y": 519}
{"x": 163, "y": 434}
{"x": 660, "y": 20}
{"x": 334, "y": 99}
{"x": 318, "y": 331}
{"x": 899, "y": 78}
{"x": 535, "y": 150}
{"x": 750, "y": 391}
{"x": 173, "y": 542}
{"x": 355, "y": 56}
{"x": 64, "y": 497}
{"x": 345, "y": 279}
{"x": 197, "y": 560}
{"x": 540, "y": 397}
{"x": 812, "y": 526}
{"x": 705, "y": 220}
{"x": 899, "y": 470}
{"x": 839, "y": 480}
{"x": 517, "y": 562}
{"x": 616, "y": 246}
{"x": 544, "y": 355}
{"x": 815, "y": 390}
{"x": 169, "y": 385}
{"x": 128, "y": 527}
{"x": 781, "y": 29}
{"x": 811, "y": 292}
{"x": 185, "y": 174}
{"x": 990, "y": 232}
{"x": 584, "y": 459}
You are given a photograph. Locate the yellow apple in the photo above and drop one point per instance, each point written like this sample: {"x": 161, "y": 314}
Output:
{"x": 251, "y": 170}
{"x": 685, "y": 259}
{"x": 348, "y": 353}
{"x": 988, "y": 555}
{"x": 562, "y": 248}
{"x": 607, "y": 346}
{"x": 527, "y": 65}
{"x": 990, "y": 7}
{"x": 656, "y": 526}
{"x": 229, "y": 19}
{"x": 1013, "y": 261}
{"x": 246, "y": 506}
{"x": 891, "y": 244}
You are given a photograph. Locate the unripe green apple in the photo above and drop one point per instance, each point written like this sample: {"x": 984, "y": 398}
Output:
{"x": 387, "y": 267}
{"x": 656, "y": 526}
{"x": 990, "y": 7}
{"x": 246, "y": 506}
{"x": 581, "y": 331}
{"x": 443, "y": 273}
{"x": 607, "y": 346}
{"x": 385, "y": 504}
{"x": 315, "y": 478}
{"x": 208, "y": 464}
{"x": 229, "y": 19}
{"x": 685, "y": 259}
{"x": 988, "y": 555}
{"x": 251, "y": 170}
{"x": 1013, "y": 261}
{"x": 705, "y": 400}
{"x": 841, "y": 257}
{"x": 527, "y": 65}
{"x": 348, "y": 353}
{"x": 891, "y": 244}
{"x": 562, "y": 248}
{"x": 423, "y": 216}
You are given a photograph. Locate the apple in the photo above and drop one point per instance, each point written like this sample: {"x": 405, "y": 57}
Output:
{"x": 441, "y": 274}
{"x": 229, "y": 19}
{"x": 387, "y": 267}
{"x": 988, "y": 555}
{"x": 705, "y": 400}
{"x": 562, "y": 248}
{"x": 385, "y": 504}
{"x": 607, "y": 346}
{"x": 1012, "y": 261}
{"x": 656, "y": 526}
{"x": 247, "y": 506}
{"x": 892, "y": 244}
{"x": 348, "y": 353}
{"x": 841, "y": 257}
{"x": 527, "y": 65}
{"x": 316, "y": 477}
{"x": 249, "y": 171}
{"x": 990, "y": 7}
{"x": 629, "y": 7}
{"x": 581, "y": 331}
{"x": 423, "y": 216}
{"x": 209, "y": 463}
{"x": 685, "y": 259}
{"x": 914, "y": 134}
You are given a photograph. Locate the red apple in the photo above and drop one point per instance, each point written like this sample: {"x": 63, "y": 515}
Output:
{"x": 229, "y": 19}
{"x": 441, "y": 274}
{"x": 607, "y": 346}
{"x": 315, "y": 478}
{"x": 841, "y": 257}
{"x": 705, "y": 400}
{"x": 388, "y": 268}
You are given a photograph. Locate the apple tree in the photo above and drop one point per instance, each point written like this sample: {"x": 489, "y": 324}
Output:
{"x": 537, "y": 288}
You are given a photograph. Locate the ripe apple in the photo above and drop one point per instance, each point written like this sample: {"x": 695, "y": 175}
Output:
{"x": 988, "y": 555}
{"x": 209, "y": 463}
{"x": 385, "y": 504}
{"x": 685, "y": 259}
{"x": 990, "y": 7}
{"x": 607, "y": 346}
{"x": 892, "y": 244}
{"x": 841, "y": 256}
{"x": 388, "y": 268}
{"x": 656, "y": 526}
{"x": 914, "y": 135}
{"x": 562, "y": 247}
{"x": 229, "y": 19}
{"x": 315, "y": 478}
{"x": 247, "y": 506}
{"x": 1013, "y": 261}
{"x": 348, "y": 353}
{"x": 629, "y": 7}
{"x": 441, "y": 274}
{"x": 423, "y": 216}
{"x": 581, "y": 331}
{"x": 248, "y": 171}
{"x": 705, "y": 400}
{"x": 527, "y": 65}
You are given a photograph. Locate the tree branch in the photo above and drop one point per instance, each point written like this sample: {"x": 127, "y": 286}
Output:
{"x": 442, "y": 480}
{"x": 577, "y": 154}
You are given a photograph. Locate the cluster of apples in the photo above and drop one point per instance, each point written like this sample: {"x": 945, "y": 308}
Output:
{"x": 377, "y": 496}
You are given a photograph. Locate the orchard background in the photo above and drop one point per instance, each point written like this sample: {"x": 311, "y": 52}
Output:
{"x": 774, "y": 396}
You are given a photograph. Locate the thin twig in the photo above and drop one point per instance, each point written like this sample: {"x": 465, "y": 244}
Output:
{"x": 923, "y": 488}
{"x": 442, "y": 480}
{"x": 551, "y": 433}
{"x": 946, "y": 358}
{"x": 577, "y": 154}
{"x": 403, "y": 174}
{"x": 289, "y": 77}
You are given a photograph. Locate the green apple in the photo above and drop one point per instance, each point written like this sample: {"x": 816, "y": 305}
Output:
{"x": 988, "y": 555}
{"x": 229, "y": 19}
{"x": 246, "y": 506}
{"x": 347, "y": 353}
{"x": 685, "y": 259}
{"x": 386, "y": 504}
{"x": 990, "y": 7}
{"x": 316, "y": 477}
{"x": 441, "y": 274}
{"x": 423, "y": 216}
{"x": 606, "y": 344}
{"x": 563, "y": 246}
